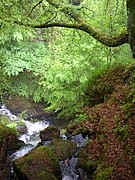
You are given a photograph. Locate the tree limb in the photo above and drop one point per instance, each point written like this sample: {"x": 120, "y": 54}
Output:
{"x": 110, "y": 41}
{"x": 106, "y": 39}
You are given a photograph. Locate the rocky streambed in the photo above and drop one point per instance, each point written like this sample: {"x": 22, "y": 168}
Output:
{"x": 44, "y": 151}
{"x": 109, "y": 124}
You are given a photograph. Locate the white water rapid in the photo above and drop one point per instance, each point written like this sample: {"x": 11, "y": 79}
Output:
{"x": 31, "y": 137}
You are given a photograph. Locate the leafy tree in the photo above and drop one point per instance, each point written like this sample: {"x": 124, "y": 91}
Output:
{"x": 52, "y": 12}
{"x": 56, "y": 64}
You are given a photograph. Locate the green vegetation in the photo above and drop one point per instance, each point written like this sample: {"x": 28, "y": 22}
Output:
{"x": 103, "y": 174}
{"x": 4, "y": 120}
{"x": 78, "y": 60}
{"x": 110, "y": 124}
{"x": 122, "y": 132}
{"x": 57, "y": 64}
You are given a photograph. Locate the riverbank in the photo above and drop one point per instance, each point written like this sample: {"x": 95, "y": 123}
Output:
{"x": 110, "y": 124}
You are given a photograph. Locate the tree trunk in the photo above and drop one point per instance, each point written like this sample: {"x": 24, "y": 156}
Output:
{"x": 131, "y": 25}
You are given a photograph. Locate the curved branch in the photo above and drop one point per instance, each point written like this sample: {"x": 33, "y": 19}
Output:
{"x": 106, "y": 39}
{"x": 110, "y": 41}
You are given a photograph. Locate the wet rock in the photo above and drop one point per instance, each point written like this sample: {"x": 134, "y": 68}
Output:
{"x": 80, "y": 140}
{"x": 63, "y": 148}
{"x": 41, "y": 163}
{"x": 22, "y": 129}
{"x": 49, "y": 133}
{"x": 17, "y": 104}
{"x": 85, "y": 162}
{"x": 8, "y": 142}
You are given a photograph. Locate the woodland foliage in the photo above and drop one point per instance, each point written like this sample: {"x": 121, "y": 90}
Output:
{"x": 57, "y": 64}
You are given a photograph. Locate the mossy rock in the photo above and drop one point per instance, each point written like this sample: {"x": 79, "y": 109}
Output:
{"x": 18, "y": 104}
{"x": 39, "y": 164}
{"x": 63, "y": 148}
{"x": 4, "y": 120}
{"x": 49, "y": 133}
{"x": 8, "y": 136}
{"x": 8, "y": 142}
{"x": 75, "y": 128}
{"x": 85, "y": 161}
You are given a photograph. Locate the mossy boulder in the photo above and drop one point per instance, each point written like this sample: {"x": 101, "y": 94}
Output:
{"x": 49, "y": 133}
{"x": 40, "y": 164}
{"x": 75, "y": 128}
{"x": 4, "y": 120}
{"x": 84, "y": 158}
{"x": 63, "y": 148}
{"x": 8, "y": 143}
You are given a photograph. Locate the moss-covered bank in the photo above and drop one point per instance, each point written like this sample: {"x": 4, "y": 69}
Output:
{"x": 110, "y": 110}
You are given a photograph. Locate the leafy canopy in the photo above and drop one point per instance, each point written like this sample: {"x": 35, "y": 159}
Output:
{"x": 41, "y": 61}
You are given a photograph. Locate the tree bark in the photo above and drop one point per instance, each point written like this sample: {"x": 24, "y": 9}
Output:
{"x": 131, "y": 25}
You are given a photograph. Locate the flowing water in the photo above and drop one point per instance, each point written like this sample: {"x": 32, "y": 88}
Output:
{"x": 31, "y": 139}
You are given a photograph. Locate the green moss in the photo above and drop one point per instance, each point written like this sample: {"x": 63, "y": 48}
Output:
{"x": 131, "y": 93}
{"x": 117, "y": 118}
{"x": 103, "y": 174}
{"x": 4, "y": 131}
{"x": 39, "y": 163}
{"x": 42, "y": 173}
{"x": 62, "y": 148}
{"x": 4, "y": 120}
{"x": 13, "y": 127}
{"x": 46, "y": 175}
{"x": 90, "y": 165}
{"x": 127, "y": 149}
{"x": 127, "y": 110}
{"x": 122, "y": 132}
{"x": 74, "y": 128}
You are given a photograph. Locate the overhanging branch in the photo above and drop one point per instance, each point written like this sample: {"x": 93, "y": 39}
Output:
{"x": 106, "y": 39}
{"x": 110, "y": 41}
{"x": 81, "y": 24}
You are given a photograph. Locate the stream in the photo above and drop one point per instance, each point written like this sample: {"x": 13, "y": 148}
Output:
{"x": 31, "y": 139}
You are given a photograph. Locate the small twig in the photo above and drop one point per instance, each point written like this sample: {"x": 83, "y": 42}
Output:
{"x": 51, "y": 19}
{"x": 34, "y": 7}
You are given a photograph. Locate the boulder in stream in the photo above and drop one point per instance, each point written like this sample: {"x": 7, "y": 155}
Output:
{"x": 63, "y": 148}
{"x": 8, "y": 143}
{"x": 49, "y": 133}
{"x": 41, "y": 163}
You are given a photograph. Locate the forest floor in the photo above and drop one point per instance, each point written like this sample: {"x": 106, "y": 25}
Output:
{"x": 110, "y": 122}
